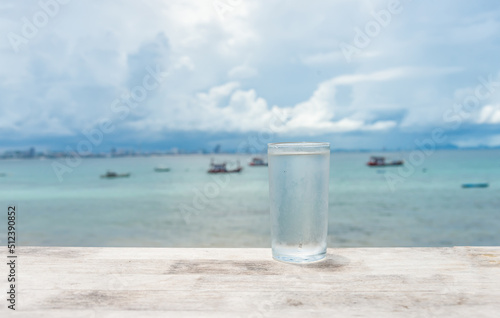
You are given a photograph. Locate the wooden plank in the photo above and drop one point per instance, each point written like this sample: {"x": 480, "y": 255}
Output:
{"x": 192, "y": 282}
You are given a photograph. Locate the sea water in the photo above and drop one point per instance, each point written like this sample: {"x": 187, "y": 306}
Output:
{"x": 414, "y": 205}
{"x": 298, "y": 186}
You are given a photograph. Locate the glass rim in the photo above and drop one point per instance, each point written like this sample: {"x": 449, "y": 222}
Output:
{"x": 316, "y": 144}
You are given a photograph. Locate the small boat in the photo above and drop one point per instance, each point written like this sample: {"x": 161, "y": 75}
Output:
{"x": 221, "y": 168}
{"x": 475, "y": 185}
{"x": 2, "y": 174}
{"x": 162, "y": 169}
{"x": 257, "y": 162}
{"x": 380, "y": 162}
{"x": 111, "y": 175}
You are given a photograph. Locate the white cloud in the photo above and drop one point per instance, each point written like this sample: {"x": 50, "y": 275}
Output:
{"x": 392, "y": 74}
{"x": 215, "y": 94}
{"x": 66, "y": 77}
{"x": 323, "y": 58}
{"x": 242, "y": 71}
{"x": 334, "y": 57}
{"x": 230, "y": 108}
{"x": 489, "y": 114}
{"x": 185, "y": 62}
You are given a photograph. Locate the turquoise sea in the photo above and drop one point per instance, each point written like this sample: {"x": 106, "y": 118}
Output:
{"x": 187, "y": 207}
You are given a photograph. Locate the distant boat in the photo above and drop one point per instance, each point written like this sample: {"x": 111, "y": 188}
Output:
{"x": 162, "y": 169}
{"x": 475, "y": 185}
{"x": 2, "y": 174}
{"x": 257, "y": 162}
{"x": 221, "y": 168}
{"x": 380, "y": 162}
{"x": 111, "y": 175}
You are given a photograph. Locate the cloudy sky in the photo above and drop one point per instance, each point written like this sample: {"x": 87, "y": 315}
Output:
{"x": 193, "y": 74}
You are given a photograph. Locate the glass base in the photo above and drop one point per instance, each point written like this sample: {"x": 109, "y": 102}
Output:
{"x": 299, "y": 259}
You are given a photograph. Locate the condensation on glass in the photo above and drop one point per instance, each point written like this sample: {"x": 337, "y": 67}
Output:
{"x": 299, "y": 173}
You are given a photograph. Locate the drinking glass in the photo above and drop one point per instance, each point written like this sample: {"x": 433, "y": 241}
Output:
{"x": 299, "y": 173}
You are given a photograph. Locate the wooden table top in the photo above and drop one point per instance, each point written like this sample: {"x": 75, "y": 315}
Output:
{"x": 91, "y": 282}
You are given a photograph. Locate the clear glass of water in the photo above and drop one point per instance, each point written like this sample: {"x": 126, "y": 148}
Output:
{"x": 299, "y": 173}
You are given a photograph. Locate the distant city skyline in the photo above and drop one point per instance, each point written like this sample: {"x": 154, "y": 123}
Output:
{"x": 192, "y": 75}
{"x": 32, "y": 152}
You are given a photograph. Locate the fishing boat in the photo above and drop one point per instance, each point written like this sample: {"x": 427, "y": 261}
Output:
{"x": 221, "y": 168}
{"x": 257, "y": 162}
{"x": 112, "y": 175}
{"x": 380, "y": 162}
{"x": 162, "y": 169}
{"x": 475, "y": 185}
